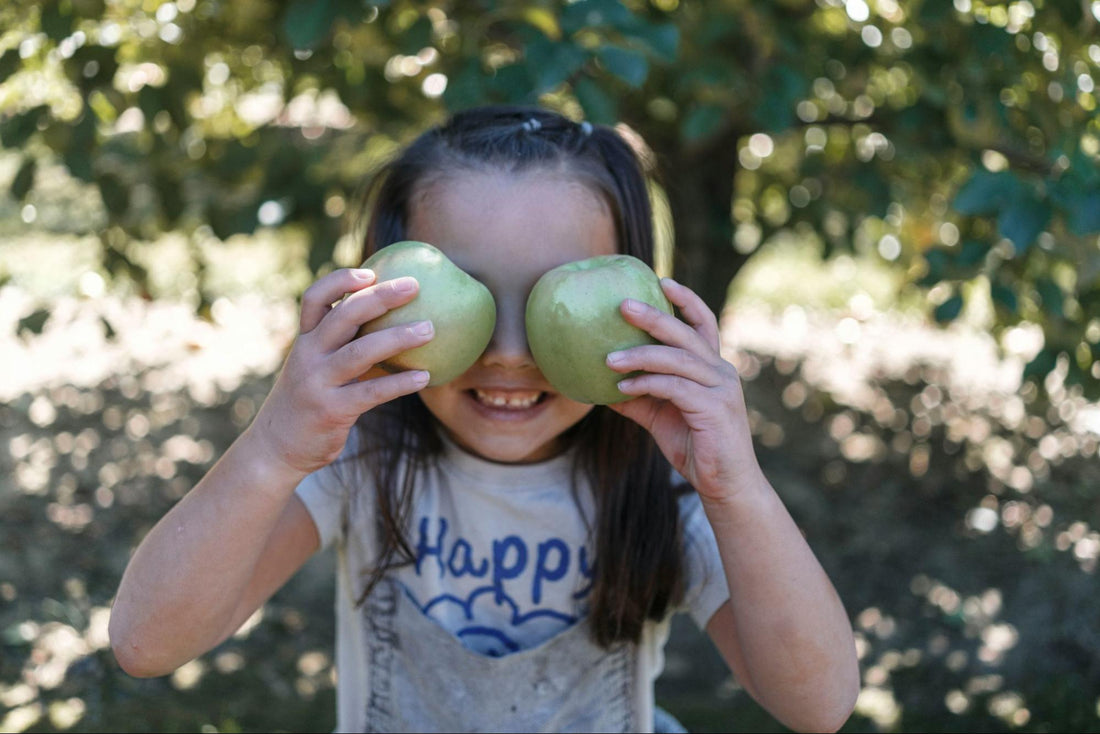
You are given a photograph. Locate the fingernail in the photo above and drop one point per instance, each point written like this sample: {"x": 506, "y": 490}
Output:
{"x": 615, "y": 358}
{"x": 422, "y": 328}
{"x": 632, "y": 306}
{"x": 421, "y": 378}
{"x": 404, "y": 285}
{"x": 362, "y": 273}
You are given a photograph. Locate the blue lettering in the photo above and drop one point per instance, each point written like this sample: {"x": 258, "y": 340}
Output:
{"x": 543, "y": 570}
{"x": 503, "y": 571}
{"x": 461, "y": 560}
{"x": 424, "y": 550}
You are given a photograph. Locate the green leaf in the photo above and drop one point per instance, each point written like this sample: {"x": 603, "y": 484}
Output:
{"x": 115, "y": 195}
{"x": 985, "y": 192}
{"x": 466, "y": 88}
{"x": 1083, "y": 217}
{"x": 15, "y": 130}
{"x": 937, "y": 262}
{"x": 702, "y": 122}
{"x": 24, "y": 178}
{"x": 783, "y": 88}
{"x": 1004, "y": 297}
{"x": 949, "y": 310}
{"x": 660, "y": 39}
{"x": 935, "y": 10}
{"x": 1042, "y": 364}
{"x": 629, "y": 65}
{"x": 599, "y": 106}
{"x": 81, "y": 141}
{"x": 416, "y": 37}
{"x": 553, "y": 63}
{"x": 1025, "y": 216}
{"x": 971, "y": 252}
{"x": 595, "y": 14}
{"x": 33, "y": 322}
{"x": 308, "y": 22}
{"x": 1053, "y": 299}
{"x": 56, "y": 20}
{"x": 9, "y": 63}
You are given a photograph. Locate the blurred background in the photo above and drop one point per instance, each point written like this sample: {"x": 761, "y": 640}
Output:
{"x": 895, "y": 207}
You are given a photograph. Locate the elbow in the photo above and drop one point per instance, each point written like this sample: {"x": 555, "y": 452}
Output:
{"x": 829, "y": 709}
{"x": 828, "y": 718}
{"x": 838, "y": 710}
{"x": 835, "y": 712}
{"x": 132, "y": 656}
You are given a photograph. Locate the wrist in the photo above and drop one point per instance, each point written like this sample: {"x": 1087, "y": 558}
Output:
{"x": 745, "y": 498}
{"x": 262, "y": 460}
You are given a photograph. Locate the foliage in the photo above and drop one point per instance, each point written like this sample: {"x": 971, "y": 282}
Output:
{"x": 956, "y": 139}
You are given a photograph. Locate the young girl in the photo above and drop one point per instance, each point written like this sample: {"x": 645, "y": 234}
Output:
{"x": 508, "y": 559}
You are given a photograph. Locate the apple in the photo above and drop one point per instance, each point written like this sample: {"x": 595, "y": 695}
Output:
{"x": 573, "y": 323}
{"x": 460, "y": 307}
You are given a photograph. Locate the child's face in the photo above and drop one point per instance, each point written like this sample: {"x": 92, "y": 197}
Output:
{"x": 507, "y": 230}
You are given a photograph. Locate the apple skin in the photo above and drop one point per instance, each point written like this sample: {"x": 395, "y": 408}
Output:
{"x": 460, "y": 307}
{"x": 573, "y": 323}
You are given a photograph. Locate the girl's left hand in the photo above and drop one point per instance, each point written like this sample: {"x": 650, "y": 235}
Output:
{"x": 689, "y": 398}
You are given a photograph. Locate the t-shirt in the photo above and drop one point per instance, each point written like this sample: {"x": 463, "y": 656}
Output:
{"x": 503, "y": 560}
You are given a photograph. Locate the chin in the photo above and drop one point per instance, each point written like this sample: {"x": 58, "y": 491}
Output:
{"x": 509, "y": 452}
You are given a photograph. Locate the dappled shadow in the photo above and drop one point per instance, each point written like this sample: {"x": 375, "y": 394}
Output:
{"x": 960, "y": 529}
{"x": 86, "y": 472}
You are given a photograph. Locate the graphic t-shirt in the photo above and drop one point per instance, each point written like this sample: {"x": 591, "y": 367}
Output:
{"x": 503, "y": 559}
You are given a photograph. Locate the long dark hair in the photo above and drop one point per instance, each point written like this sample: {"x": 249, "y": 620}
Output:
{"x": 638, "y": 570}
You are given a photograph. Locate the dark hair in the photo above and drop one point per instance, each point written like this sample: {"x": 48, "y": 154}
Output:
{"x": 638, "y": 569}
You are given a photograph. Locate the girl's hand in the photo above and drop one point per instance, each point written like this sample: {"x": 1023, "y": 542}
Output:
{"x": 305, "y": 420}
{"x": 690, "y": 400}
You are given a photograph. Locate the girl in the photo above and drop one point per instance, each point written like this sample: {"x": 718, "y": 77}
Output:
{"x": 508, "y": 559}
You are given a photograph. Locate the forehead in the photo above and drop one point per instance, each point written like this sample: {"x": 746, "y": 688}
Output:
{"x": 506, "y": 224}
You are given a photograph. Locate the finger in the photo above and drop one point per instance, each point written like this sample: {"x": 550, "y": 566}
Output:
{"x": 688, "y": 396}
{"x": 319, "y": 297}
{"x": 665, "y": 360}
{"x": 355, "y": 358}
{"x": 664, "y": 327}
{"x": 361, "y": 396}
{"x": 694, "y": 310}
{"x": 338, "y": 328}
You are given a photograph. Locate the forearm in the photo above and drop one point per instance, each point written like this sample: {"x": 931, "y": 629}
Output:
{"x": 792, "y": 630}
{"x": 182, "y": 589}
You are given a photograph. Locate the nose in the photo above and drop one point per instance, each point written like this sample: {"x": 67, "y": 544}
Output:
{"x": 508, "y": 347}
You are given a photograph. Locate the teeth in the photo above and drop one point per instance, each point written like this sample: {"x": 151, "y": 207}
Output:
{"x": 512, "y": 400}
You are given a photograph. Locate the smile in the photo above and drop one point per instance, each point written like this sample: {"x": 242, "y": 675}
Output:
{"x": 508, "y": 399}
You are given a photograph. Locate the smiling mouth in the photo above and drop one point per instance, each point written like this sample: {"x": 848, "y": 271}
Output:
{"x": 508, "y": 399}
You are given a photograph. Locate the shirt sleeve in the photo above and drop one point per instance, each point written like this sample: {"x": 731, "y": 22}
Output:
{"x": 325, "y": 492}
{"x": 705, "y": 588}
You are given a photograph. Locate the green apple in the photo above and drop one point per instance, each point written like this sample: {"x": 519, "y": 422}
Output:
{"x": 573, "y": 323}
{"x": 460, "y": 307}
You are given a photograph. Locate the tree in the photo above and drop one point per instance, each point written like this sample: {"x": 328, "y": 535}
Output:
{"x": 958, "y": 140}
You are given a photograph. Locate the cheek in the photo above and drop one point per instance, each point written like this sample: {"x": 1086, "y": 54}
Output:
{"x": 438, "y": 399}
{"x": 573, "y": 411}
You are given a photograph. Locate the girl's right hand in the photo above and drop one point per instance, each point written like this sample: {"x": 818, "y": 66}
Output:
{"x": 305, "y": 420}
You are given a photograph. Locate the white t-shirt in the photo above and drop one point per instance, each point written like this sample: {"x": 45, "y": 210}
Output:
{"x": 503, "y": 562}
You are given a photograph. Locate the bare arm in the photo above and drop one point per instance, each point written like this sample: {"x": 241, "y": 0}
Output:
{"x": 784, "y": 632}
{"x": 240, "y": 533}
{"x": 207, "y": 565}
